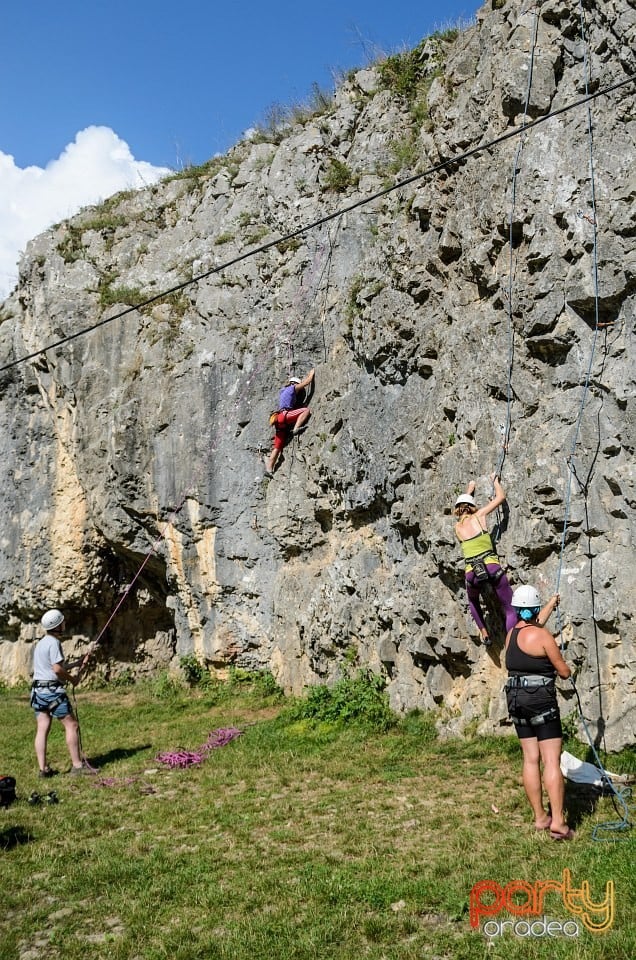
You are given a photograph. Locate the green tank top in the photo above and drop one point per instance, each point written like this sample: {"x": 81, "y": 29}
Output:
{"x": 478, "y": 546}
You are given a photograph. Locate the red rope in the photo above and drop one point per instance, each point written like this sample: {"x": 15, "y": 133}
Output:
{"x": 180, "y": 758}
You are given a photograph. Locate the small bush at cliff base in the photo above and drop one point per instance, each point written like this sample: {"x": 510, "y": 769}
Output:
{"x": 167, "y": 687}
{"x": 361, "y": 700}
{"x": 257, "y": 682}
{"x": 195, "y": 673}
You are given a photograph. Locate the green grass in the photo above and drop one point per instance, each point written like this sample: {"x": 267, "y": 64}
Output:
{"x": 110, "y": 294}
{"x": 339, "y": 176}
{"x": 305, "y": 838}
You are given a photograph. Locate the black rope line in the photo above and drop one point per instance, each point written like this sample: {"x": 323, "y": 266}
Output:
{"x": 460, "y": 158}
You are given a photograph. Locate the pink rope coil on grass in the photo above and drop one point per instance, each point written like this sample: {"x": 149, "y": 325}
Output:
{"x": 180, "y": 759}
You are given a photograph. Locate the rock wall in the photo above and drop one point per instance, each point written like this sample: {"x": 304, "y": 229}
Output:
{"x": 434, "y": 315}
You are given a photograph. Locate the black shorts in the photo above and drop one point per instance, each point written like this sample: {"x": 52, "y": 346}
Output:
{"x": 528, "y": 703}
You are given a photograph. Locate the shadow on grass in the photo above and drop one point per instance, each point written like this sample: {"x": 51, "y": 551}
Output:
{"x": 119, "y": 753}
{"x": 581, "y": 800}
{"x": 14, "y": 837}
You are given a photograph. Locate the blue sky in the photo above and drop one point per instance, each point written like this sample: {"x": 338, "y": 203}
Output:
{"x": 151, "y": 86}
{"x": 178, "y": 82}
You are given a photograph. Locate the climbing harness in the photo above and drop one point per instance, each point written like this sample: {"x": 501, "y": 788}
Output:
{"x": 43, "y": 705}
{"x": 481, "y": 572}
{"x": 537, "y": 720}
{"x": 528, "y": 681}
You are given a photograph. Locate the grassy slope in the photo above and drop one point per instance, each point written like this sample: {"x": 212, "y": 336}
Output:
{"x": 294, "y": 841}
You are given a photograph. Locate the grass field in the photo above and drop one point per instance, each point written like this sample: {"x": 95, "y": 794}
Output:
{"x": 300, "y": 839}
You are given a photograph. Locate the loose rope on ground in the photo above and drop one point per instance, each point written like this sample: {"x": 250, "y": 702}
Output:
{"x": 180, "y": 758}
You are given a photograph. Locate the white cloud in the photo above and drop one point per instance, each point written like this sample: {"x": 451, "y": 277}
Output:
{"x": 96, "y": 165}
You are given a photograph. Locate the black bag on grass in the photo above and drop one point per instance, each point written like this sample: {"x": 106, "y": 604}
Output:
{"x": 7, "y": 791}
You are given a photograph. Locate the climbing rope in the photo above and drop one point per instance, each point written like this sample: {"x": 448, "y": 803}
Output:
{"x": 620, "y": 796}
{"x": 506, "y": 426}
{"x": 305, "y": 301}
{"x": 505, "y": 431}
{"x": 595, "y": 334}
{"x": 603, "y": 831}
{"x": 326, "y": 268}
{"x": 332, "y": 243}
{"x": 180, "y": 758}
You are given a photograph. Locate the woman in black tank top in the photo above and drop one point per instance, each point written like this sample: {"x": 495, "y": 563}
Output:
{"x": 533, "y": 661}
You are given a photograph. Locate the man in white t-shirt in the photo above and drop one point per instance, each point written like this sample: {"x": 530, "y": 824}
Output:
{"x": 48, "y": 696}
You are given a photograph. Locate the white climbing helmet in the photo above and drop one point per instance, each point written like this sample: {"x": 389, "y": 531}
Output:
{"x": 294, "y": 380}
{"x": 52, "y": 619}
{"x": 525, "y": 597}
{"x": 465, "y": 498}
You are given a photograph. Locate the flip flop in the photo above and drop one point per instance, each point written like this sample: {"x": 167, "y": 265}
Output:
{"x": 554, "y": 835}
{"x": 547, "y": 826}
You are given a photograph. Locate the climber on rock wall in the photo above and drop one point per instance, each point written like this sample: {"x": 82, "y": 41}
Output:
{"x": 290, "y": 417}
{"x": 482, "y": 563}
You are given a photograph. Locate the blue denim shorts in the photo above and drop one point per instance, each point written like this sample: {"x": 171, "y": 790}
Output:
{"x": 42, "y": 698}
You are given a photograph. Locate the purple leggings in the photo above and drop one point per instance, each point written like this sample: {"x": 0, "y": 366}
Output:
{"x": 504, "y": 595}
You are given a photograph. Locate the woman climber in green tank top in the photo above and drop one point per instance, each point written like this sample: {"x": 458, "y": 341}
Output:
{"x": 480, "y": 556}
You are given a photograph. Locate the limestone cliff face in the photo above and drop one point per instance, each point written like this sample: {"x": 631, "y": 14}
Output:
{"x": 423, "y": 312}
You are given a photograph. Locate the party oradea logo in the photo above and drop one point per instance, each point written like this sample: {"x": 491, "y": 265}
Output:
{"x": 531, "y": 906}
